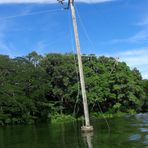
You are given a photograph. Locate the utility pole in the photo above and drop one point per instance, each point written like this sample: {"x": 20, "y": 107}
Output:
{"x": 86, "y": 127}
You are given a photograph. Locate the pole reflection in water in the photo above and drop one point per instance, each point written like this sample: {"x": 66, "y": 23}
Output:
{"x": 88, "y": 139}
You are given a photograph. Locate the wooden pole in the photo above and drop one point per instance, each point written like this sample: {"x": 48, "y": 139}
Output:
{"x": 87, "y": 126}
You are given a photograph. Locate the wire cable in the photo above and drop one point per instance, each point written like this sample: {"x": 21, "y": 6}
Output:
{"x": 84, "y": 29}
{"x": 109, "y": 129}
{"x": 87, "y": 35}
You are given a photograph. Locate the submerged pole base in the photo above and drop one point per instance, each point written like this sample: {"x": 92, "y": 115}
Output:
{"x": 87, "y": 129}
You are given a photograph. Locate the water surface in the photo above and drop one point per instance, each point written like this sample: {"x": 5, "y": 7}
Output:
{"x": 125, "y": 132}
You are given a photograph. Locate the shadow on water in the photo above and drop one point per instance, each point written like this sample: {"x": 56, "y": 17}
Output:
{"x": 126, "y": 132}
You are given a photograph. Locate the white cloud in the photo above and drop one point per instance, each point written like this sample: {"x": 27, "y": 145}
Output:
{"x": 145, "y": 76}
{"x": 51, "y": 1}
{"x": 3, "y": 47}
{"x": 41, "y": 47}
{"x": 27, "y": 1}
{"x": 94, "y": 1}
{"x": 6, "y": 47}
{"x": 138, "y": 52}
{"x": 135, "y": 58}
{"x": 135, "y": 61}
{"x": 140, "y": 36}
{"x": 144, "y": 21}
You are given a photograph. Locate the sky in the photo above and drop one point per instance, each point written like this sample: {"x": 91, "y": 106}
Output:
{"x": 117, "y": 28}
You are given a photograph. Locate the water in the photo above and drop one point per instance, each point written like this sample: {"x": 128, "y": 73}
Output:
{"x": 125, "y": 132}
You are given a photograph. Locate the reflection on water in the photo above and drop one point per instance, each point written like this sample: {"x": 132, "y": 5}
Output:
{"x": 126, "y": 132}
{"x": 144, "y": 130}
{"x": 88, "y": 139}
{"x": 135, "y": 137}
{"x": 142, "y": 126}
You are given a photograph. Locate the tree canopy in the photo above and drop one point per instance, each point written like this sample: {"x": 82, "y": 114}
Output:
{"x": 34, "y": 87}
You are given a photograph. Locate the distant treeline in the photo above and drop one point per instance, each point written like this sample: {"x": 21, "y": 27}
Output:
{"x": 35, "y": 87}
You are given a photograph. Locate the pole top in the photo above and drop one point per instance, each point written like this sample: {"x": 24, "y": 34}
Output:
{"x": 70, "y": 2}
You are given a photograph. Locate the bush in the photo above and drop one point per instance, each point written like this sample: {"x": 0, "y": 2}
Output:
{"x": 58, "y": 118}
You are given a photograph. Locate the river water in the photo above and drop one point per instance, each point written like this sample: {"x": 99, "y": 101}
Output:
{"x": 125, "y": 132}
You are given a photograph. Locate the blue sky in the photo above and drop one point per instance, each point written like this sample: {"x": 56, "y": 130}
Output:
{"x": 117, "y": 28}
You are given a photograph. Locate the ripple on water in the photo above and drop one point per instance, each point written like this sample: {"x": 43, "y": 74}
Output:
{"x": 142, "y": 117}
{"x": 135, "y": 137}
{"x": 144, "y": 130}
{"x": 142, "y": 125}
{"x": 146, "y": 140}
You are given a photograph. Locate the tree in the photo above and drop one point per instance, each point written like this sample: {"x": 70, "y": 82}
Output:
{"x": 35, "y": 87}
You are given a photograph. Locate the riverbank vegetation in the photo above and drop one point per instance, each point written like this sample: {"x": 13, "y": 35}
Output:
{"x": 36, "y": 87}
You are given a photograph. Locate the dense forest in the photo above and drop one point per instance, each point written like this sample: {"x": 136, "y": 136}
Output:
{"x": 36, "y": 87}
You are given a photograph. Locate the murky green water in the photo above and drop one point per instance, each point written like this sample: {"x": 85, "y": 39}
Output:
{"x": 125, "y": 132}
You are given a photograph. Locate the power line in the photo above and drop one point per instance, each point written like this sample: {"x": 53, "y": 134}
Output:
{"x": 85, "y": 30}
{"x": 90, "y": 41}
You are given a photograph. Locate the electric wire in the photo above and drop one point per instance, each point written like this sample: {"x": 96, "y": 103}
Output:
{"x": 84, "y": 29}
{"x": 87, "y": 35}
{"x": 107, "y": 123}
